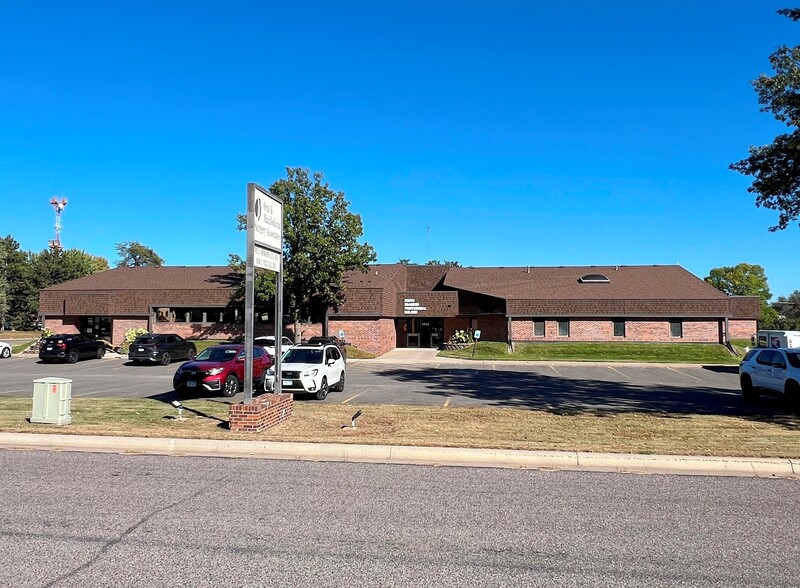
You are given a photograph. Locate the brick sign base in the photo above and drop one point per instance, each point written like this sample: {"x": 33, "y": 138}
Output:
{"x": 266, "y": 411}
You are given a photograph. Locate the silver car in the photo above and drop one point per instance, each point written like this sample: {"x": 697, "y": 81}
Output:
{"x": 772, "y": 371}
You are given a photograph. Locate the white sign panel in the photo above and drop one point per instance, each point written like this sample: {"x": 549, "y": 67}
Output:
{"x": 266, "y": 259}
{"x": 267, "y": 221}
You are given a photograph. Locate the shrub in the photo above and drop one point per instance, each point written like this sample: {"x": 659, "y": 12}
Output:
{"x": 130, "y": 336}
{"x": 461, "y": 336}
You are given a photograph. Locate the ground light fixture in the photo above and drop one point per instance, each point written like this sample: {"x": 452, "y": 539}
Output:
{"x": 179, "y": 406}
{"x": 353, "y": 418}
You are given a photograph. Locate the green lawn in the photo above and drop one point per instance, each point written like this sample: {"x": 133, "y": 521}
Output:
{"x": 704, "y": 353}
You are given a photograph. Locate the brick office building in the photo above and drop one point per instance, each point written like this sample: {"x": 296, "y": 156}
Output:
{"x": 396, "y": 305}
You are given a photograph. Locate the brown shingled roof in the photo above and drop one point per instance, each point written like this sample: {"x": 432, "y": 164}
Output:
{"x": 156, "y": 278}
{"x": 561, "y": 283}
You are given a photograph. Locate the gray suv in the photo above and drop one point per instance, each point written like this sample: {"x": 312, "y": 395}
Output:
{"x": 161, "y": 349}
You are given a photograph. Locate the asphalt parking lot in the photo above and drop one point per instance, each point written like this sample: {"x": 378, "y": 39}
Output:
{"x": 553, "y": 386}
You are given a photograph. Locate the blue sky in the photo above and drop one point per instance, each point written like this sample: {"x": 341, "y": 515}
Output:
{"x": 489, "y": 133}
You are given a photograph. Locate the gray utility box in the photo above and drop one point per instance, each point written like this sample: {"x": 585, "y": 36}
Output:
{"x": 52, "y": 398}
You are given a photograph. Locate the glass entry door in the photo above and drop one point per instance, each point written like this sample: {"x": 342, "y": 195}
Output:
{"x": 98, "y": 327}
{"x": 424, "y": 332}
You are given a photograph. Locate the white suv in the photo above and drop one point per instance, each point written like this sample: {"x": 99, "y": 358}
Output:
{"x": 311, "y": 369}
{"x": 771, "y": 370}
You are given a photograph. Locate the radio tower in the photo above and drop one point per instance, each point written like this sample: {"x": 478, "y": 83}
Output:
{"x": 58, "y": 206}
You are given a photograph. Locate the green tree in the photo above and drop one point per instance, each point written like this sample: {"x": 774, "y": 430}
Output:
{"x": 133, "y": 254}
{"x": 745, "y": 279}
{"x": 445, "y": 263}
{"x": 20, "y": 293}
{"x": 788, "y": 309}
{"x": 320, "y": 243}
{"x": 776, "y": 175}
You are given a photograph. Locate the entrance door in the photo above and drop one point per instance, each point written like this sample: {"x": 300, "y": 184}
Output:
{"x": 424, "y": 332}
{"x": 97, "y": 327}
{"x": 430, "y": 332}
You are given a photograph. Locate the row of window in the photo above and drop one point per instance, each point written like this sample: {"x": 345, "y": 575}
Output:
{"x": 675, "y": 328}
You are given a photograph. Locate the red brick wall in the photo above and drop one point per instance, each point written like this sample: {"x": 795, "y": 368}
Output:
{"x": 69, "y": 325}
{"x": 453, "y": 324}
{"x": 376, "y": 335}
{"x": 694, "y": 331}
{"x": 742, "y": 329}
{"x": 120, "y": 326}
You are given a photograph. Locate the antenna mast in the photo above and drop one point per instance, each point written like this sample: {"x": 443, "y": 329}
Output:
{"x": 58, "y": 206}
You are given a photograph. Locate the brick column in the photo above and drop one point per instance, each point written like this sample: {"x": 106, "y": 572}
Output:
{"x": 266, "y": 411}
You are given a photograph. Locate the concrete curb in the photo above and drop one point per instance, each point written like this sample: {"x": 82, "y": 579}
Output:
{"x": 436, "y": 456}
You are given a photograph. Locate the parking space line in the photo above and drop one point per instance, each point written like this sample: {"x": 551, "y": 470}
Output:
{"x": 619, "y": 372}
{"x": 552, "y": 367}
{"x": 447, "y": 402}
{"x": 685, "y": 374}
{"x": 356, "y": 396}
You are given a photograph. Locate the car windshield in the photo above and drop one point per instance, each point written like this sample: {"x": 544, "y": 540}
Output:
{"x": 794, "y": 358}
{"x": 303, "y": 356}
{"x": 217, "y": 354}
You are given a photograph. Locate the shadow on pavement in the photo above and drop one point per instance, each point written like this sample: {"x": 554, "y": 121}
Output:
{"x": 518, "y": 389}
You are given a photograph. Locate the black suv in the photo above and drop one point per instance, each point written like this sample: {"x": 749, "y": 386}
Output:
{"x": 330, "y": 340}
{"x": 70, "y": 348}
{"x": 160, "y": 349}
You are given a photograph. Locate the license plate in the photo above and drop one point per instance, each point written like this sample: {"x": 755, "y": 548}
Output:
{"x": 140, "y": 349}
{"x": 49, "y": 348}
{"x": 191, "y": 384}
{"x": 286, "y": 382}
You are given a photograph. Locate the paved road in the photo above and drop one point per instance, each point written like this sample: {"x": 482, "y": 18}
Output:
{"x": 74, "y": 520}
{"x": 557, "y": 387}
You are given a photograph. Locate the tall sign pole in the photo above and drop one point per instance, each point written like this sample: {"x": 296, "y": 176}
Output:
{"x": 264, "y": 250}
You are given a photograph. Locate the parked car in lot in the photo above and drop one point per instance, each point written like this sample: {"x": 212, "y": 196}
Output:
{"x": 221, "y": 369}
{"x": 161, "y": 348}
{"x": 773, "y": 371}
{"x": 310, "y": 368}
{"x": 70, "y": 348}
{"x": 268, "y": 343}
{"x": 331, "y": 340}
{"x": 5, "y": 350}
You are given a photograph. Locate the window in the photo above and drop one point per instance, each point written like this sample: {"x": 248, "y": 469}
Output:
{"x": 676, "y": 329}
{"x": 563, "y": 328}
{"x": 619, "y": 328}
{"x": 538, "y": 328}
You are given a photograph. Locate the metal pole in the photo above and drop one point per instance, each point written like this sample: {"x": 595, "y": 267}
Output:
{"x": 278, "y": 388}
{"x": 249, "y": 296}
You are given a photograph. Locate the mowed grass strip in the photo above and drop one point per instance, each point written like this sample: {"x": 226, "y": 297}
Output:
{"x": 779, "y": 436}
{"x": 699, "y": 353}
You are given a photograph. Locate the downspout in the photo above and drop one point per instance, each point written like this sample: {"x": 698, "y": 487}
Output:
{"x": 508, "y": 335}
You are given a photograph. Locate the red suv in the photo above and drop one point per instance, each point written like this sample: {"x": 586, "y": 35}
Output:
{"x": 221, "y": 369}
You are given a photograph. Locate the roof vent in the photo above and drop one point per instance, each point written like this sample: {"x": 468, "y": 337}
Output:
{"x": 594, "y": 279}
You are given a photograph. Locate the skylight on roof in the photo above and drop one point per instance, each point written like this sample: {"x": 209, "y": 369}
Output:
{"x": 594, "y": 279}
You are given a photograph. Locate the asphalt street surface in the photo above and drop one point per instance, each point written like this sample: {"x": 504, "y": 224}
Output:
{"x": 76, "y": 520}
{"x": 556, "y": 387}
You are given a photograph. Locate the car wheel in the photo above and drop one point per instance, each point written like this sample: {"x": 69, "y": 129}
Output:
{"x": 165, "y": 359}
{"x": 749, "y": 393}
{"x": 340, "y": 385}
{"x": 792, "y": 393}
{"x": 72, "y": 356}
{"x": 322, "y": 393}
{"x": 231, "y": 386}
{"x": 5, "y": 353}
{"x": 100, "y": 352}
{"x": 191, "y": 355}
